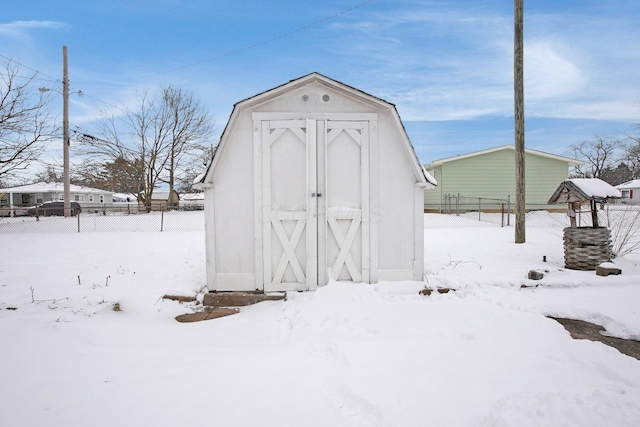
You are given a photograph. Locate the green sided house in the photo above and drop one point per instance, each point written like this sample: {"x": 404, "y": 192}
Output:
{"x": 491, "y": 174}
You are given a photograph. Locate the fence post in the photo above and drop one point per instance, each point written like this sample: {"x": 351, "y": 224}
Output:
{"x": 161, "y": 218}
{"x": 479, "y": 208}
{"x": 458, "y": 205}
{"x": 502, "y": 215}
{"x": 78, "y": 215}
{"x": 508, "y": 210}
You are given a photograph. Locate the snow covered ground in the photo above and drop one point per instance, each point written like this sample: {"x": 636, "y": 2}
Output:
{"x": 345, "y": 355}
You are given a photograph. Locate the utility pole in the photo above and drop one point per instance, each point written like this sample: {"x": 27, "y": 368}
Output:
{"x": 518, "y": 86}
{"x": 65, "y": 133}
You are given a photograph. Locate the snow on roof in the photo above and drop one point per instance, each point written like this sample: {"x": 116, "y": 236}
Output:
{"x": 582, "y": 190}
{"x": 191, "y": 196}
{"x": 161, "y": 195}
{"x": 198, "y": 179}
{"x": 123, "y": 196}
{"x": 595, "y": 188}
{"x": 630, "y": 184}
{"x": 51, "y": 187}
{"x": 430, "y": 179}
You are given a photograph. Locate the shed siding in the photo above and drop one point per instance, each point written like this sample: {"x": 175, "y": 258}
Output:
{"x": 370, "y": 170}
{"x": 234, "y": 206}
{"x": 395, "y": 214}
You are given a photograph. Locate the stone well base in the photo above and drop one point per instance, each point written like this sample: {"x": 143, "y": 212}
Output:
{"x": 586, "y": 247}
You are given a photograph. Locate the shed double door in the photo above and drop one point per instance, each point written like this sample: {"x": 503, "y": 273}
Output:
{"x": 315, "y": 202}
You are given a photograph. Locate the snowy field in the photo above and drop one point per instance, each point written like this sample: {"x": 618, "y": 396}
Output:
{"x": 345, "y": 355}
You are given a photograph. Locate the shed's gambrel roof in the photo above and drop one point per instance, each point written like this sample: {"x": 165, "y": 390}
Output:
{"x": 570, "y": 161}
{"x": 422, "y": 176}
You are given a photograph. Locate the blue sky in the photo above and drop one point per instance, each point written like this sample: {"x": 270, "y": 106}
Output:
{"x": 446, "y": 65}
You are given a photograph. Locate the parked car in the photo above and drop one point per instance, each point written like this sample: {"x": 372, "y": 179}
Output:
{"x": 54, "y": 209}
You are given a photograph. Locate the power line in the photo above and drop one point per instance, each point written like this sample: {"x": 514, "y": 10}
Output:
{"x": 29, "y": 68}
{"x": 262, "y": 43}
{"x": 104, "y": 102}
{"x": 29, "y": 78}
{"x": 243, "y": 49}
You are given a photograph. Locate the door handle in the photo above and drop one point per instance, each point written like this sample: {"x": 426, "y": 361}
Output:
{"x": 316, "y": 194}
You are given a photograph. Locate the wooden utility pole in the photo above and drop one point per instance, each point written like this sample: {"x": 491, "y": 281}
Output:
{"x": 65, "y": 133}
{"x": 518, "y": 79}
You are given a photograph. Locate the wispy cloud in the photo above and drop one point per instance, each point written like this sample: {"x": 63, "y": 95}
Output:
{"x": 551, "y": 72}
{"x": 458, "y": 63}
{"x": 21, "y": 28}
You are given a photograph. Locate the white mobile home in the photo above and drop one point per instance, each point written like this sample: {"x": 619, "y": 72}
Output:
{"x": 16, "y": 200}
{"x": 313, "y": 181}
{"x": 630, "y": 192}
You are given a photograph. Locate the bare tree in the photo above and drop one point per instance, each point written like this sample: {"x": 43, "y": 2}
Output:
{"x": 24, "y": 120}
{"x": 598, "y": 154}
{"x": 152, "y": 139}
{"x": 190, "y": 125}
{"x": 141, "y": 137}
{"x": 632, "y": 155}
{"x": 199, "y": 165}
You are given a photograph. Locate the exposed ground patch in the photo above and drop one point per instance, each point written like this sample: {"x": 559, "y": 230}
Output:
{"x": 581, "y": 330}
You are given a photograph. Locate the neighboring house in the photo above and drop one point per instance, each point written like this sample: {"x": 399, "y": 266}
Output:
{"x": 161, "y": 199}
{"x": 491, "y": 174}
{"x": 17, "y": 199}
{"x": 313, "y": 181}
{"x": 124, "y": 198}
{"x": 192, "y": 201}
{"x": 630, "y": 192}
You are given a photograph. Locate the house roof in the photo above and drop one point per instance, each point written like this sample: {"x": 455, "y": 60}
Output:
{"x": 52, "y": 187}
{"x": 628, "y": 185}
{"x": 192, "y": 196}
{"x": 162, "y": 195}
{"x": 583, "y": 189}
{"x": 570, "y": 161}
{"x": 421, "y": 174}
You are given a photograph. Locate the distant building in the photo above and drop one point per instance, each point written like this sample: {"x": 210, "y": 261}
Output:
{"x": 15, "y": 200}
{"x": 192, "y": 201}
{"x": 630, "y": 192}
{"x": 491, "y": 174}
{"x": 124, "y": 198}
{"x": 162, "y": 199}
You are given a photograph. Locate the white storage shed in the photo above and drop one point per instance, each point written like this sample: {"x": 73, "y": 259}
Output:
{"x": 313, "y": 181}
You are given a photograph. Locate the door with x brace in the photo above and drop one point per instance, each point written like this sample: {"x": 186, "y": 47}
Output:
{"x": 315, "y": 202}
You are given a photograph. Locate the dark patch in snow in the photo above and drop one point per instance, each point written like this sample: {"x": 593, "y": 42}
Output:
{"x": 581, "y": 330}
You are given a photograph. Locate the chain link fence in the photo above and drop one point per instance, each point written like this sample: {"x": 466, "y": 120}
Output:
{"x": 622, "y": 220}
{"x": 125, "y": 217}
{"x": 459, "y": 211}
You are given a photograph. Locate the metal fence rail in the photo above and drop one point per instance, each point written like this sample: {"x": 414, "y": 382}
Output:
{"x": 496, "y": 212}
{"x": 483, "y": 214}
{"x": 105, "y": 220}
